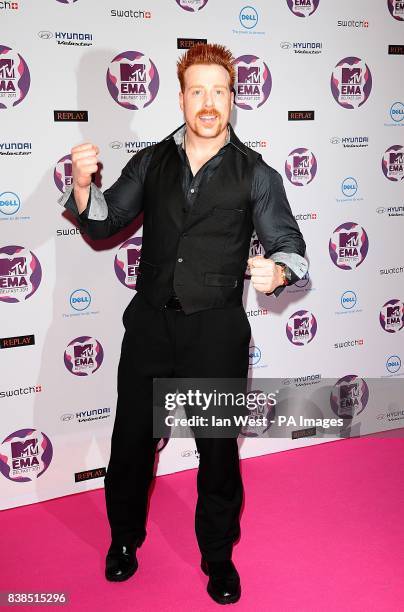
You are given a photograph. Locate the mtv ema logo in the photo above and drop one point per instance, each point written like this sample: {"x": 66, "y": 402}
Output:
{"x": 132, "y": 80}
{"x": 14, "y": 78}
{"x": 396, "y": 8}
{"x": 192, "y": 5}
{"x": 392, "y": 316}
{"x": 301, "y": 327}
{"x": 351, "y": 82}
{"x": 303, "y": 8}
{"x": 393, "y": 163}
{"x": 348, "y": 246}
{"x": 349, "y": 396}
{"x": 127, "y": 262}
{"x": 20, "y": 273}
{"x": 300, "y": 167}
{"x": 63, "y": 173}
{"x": 83, "y": 356}
{"x": 253, "y": 82}
{"x": 256, "y": 248}
{"x": 25, "y": 455}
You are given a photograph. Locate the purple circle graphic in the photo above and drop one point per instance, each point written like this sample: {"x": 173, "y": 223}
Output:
{"x": 391, "y": 316}
{"x": 83, "y": 356}
{"x": 132, "y": 80}
{"x": 351, "y": 82}
{"x": 393, "y": 163}
{"x": 253, "y": 82}
{"x": 25, "y": 455}
{"x": 14, "y": 77}
{"x": 192, "y": 5}
{"x": 20, "y": 273}
{"x": 301, "y": 327}
{"x": 300, "y": 167}
{"x": 303, "y": 8}
{"x": 348, "y": 245}
{"x": 127, "y": 261}
{"x": 63, "y": 173}
{"x": 396, "y": 8}
{"x": 349, "y": 396}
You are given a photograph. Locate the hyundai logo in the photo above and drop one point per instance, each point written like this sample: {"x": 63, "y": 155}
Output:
{"x": 116, "y": 144}
{"x": 286, "y": 45}
{"x": 380, "y": 210}
{"x": 335, "y": 140}
{"x": 45, "y": 34}
{"x": 67, "y": 417}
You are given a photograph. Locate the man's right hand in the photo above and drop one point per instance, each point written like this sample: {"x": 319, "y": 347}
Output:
{"x": 84, "y": 164}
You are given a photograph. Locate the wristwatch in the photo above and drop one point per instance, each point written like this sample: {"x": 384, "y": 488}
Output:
{"x": 286, "y": 272}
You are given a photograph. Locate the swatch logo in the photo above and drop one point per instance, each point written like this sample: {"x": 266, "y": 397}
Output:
{"x": 396, "y": 8}
{"x": 14, "y": 78}
{"x": 20, "y": 274}
{"x": 83, "y": 356}
{"x": 349, "y": 396}
{"x": 393, "y": 163}
{"x": 63, "y": 173}
{"x": 300, "y": 167}
{"x": 127, "y": 262}
{"x": 303, "y": 8}
{"x": 351, "y": 82}
{"x": 348, "y": 246}
{"x": 192, "y": 5}
{"x": 301, "y": 327}
{"x": 253, "y": 82}
{"x": 25, "y": 455}
{"x": 392, "y": 316}
{"x": 132, "y": 80}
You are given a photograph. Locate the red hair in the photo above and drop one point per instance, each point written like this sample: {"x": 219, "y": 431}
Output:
{"x": 206, "y": 54}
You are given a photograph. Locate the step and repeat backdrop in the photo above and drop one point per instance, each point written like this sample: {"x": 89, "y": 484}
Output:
{"x": 319, "y": 94}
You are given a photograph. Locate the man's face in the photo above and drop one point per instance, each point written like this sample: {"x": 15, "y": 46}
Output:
{"x": 206, "y": 100}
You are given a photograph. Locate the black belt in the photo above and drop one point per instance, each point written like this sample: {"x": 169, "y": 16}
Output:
{"x": 173, "y": 303}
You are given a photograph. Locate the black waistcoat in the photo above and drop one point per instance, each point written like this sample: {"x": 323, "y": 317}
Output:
{"x": 199, "y": 253}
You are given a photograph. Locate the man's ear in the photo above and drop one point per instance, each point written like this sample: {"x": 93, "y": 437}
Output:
{"x": 232, "y": 99}
{"x": 181, "y": 100}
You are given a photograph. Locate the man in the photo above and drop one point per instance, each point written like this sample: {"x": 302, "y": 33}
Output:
{"x": 202, "y": 193}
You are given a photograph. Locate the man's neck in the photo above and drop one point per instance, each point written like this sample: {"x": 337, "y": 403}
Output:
{"x": 204, "y": 147}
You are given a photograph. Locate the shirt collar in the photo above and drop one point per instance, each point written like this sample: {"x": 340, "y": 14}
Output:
{"x": 231, "y": 138}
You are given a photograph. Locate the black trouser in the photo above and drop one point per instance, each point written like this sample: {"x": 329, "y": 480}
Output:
{"x": 168, "y": 343}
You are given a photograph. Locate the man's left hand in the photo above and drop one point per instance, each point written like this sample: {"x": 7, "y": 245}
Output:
{"x": 266, "y": 275}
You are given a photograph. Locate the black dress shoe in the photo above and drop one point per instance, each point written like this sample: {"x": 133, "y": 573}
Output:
{"x": 121, "y": 562}
{"x": 224, "y": 581}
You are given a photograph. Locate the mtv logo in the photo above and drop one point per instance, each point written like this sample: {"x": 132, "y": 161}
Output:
{"x": 83, "y": 351}
{"x": 247, "y": 74}
{"x": 13, "y": 267}
{"x": 6, "y": 69}
{"x": 349, "y": 391}
{"x": 349, "y": 239}
{"x": 300, "y": 161}
{"x": 396, "y": 158}
{"x": 133, "y": 257}
{"x": 393, "y": 311}
{"x": 68, "y": 168}
{"x": 301, "y": 323}
{"x": 27, "y": 448}
{"x": 351, "y": 76}
{"x": 133, "y": 73}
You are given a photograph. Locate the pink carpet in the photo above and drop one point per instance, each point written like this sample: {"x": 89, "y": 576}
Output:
{"x": 322, "y": 529}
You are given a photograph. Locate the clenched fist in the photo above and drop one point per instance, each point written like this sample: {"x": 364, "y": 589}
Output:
{"x": 84, "y": 163}
{"x": 266, "y": 275}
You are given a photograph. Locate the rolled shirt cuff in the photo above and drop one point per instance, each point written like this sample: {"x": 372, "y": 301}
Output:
{"x": 295, "y": 262}
{"x": 97, "y": 208}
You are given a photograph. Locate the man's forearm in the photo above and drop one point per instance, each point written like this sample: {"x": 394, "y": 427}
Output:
{"x": 81, "y": 196}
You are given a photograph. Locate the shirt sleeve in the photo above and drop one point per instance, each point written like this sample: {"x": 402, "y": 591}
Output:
{"x": 109, "y": 211}
{"x": 274, "y": 223}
